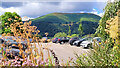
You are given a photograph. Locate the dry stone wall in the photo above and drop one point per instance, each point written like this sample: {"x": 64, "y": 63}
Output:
{"x": 113, "y": 27}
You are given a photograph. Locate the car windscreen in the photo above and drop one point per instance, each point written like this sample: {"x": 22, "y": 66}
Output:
{"x": 75, "y": 38}
{"x": 44, "y": 38}
{"x": 98, "y": 39}
{"x": 67, "y": 38}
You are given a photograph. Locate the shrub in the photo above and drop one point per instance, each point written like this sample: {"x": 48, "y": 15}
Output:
{"x": 75, "y": 35}
{"x": 33, "y": 55}
{"x": 69, "y": 36}
{"x": 60, "y": 34}
{"x": 7, "y": 19}
{"x": 102, "y": 55}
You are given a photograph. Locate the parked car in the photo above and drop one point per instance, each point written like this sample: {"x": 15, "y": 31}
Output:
{"x": 55, "y": 40}
{"x": 11, "y": 40}
{"x": 13, "y": 52}
{"x": 30, "y": 39}
{"x": 11, "y": 44}
{"x": 62, "y": 40}
{"x": 72, "y": 40}
{"x": 45, "y": 39}
{"x": 78, "y": 42}
{"x": 90, "y": 42}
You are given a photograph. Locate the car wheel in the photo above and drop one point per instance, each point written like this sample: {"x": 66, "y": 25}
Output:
{"x": 88, "y": 46}
{"x": 61, "y": 42}
{"x": 71, "y": 44}
{"x": 79, "y": 44}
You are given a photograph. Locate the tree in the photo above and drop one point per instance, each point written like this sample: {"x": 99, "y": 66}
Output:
{"x": 8, "y": 18}
{"x": 80, "y": 29}
{"x": 60, "y": 34}
{"x": 69, "y": 32}
{"x": 75, "y": 35}
{"x": 0, "y": 26}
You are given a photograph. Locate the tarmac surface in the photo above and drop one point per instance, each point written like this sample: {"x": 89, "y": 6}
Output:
{"x": 65, "y": 51}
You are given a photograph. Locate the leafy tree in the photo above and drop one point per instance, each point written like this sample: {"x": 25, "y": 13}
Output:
{"x": 69, "y": 32}
{"x": 0, "y": 26}
{"x": 60, "y": 34}
{"x": 80, "y": 29}
{"x": 75, "y": 35}
{"x": 8, "y": 18}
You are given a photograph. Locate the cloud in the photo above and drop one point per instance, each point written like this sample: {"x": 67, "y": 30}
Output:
{"x": 26, "y": 18}
{"x": 82, "y": 12}
{"x": 95, "y": 12}
{"x": 35, "y": 9}
{"x": 94, "y": 9}
{"x": 11, "y": 4}
{"x": 55, "y": 0}
{"x": 11, "y": 9}
{"x": 101, "y": 14}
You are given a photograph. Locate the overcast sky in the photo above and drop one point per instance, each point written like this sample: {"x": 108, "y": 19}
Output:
{"x": 33, "y": 9}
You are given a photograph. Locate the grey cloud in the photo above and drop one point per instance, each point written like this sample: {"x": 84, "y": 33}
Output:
{"x": 11, "y": 4}
{"x": 34, "y": 9}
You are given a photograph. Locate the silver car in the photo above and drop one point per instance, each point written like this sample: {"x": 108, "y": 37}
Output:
{"x": 90, "y": 42}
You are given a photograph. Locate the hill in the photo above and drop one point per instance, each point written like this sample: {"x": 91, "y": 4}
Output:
{"x": 55, "y": 22}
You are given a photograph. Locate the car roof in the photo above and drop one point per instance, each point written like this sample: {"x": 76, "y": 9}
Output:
{"x": 96, "y": 37}
{"x": 44, "y": 37}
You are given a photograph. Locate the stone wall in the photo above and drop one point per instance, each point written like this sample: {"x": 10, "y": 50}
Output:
{"x": 113, "y": 27}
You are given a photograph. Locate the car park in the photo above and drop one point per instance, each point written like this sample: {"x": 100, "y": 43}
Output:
{"x": 62, "y": 40}
{"x": 78, "y": 42}
{"x": 90, "y": 42}
{"x": 72, "y": 40}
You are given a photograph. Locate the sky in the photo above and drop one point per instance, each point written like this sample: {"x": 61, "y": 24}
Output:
{"x": 33, "y": 9}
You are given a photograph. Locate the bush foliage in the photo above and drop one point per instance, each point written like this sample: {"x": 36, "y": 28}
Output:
{"x": 60, "y": 34}
{"x": 103, "y": 55}
{"x": 8, "y": 18}
{"x": 109, "y": 12}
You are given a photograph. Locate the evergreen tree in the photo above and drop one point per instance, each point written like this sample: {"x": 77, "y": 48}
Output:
{"x": 69, "y": 32}
{"x": 80, "y": 29}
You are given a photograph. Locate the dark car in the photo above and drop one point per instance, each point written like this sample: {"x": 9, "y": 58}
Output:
{"x": 45, "y": 39}
{"x": 62, "y": 40}
{"x": 9, "y": 42}
{"x": 13, "y": 46}
{"x": 55, "y": 40}
{"x": 78, "y": 42}
{"x": 13, "y": 52}
{"x": 71, "y": 41}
